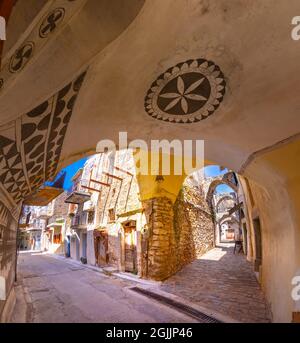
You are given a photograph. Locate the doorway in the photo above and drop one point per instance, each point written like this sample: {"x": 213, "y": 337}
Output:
{"x": 77, "y": 247}
{"x": 101, "y": 247}
{"x": 245, "y": 238}
{"x": 68, "y": 246}
{"x": 84, "y": 244}
{"x": 258, "y": 244}
{"x": 130, "y": 247}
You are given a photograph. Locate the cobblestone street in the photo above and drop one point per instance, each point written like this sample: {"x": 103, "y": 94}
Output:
{"x": 222, "y": 282}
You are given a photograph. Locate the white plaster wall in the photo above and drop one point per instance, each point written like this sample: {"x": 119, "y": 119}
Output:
{"x": 279, "y": 258}
{"x": 90, "y": 248}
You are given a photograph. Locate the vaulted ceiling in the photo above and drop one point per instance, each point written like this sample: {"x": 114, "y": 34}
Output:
{"x": 223, "y": 71}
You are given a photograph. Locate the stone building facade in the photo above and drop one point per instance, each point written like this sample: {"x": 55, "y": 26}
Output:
{"x": 106, "y": 219}
{"x": 30, "y": 229}
{"x": 179, "y": 232}
{"x": 54, "y": 234}
{"x": 43, "y": 227}
{"x": 113, "y": 226}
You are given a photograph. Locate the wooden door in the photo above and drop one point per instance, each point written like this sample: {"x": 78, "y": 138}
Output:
{"x": 102, "y": 249}
{"x": 130, "y": 249}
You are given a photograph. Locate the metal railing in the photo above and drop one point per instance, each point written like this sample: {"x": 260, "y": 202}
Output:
{"x": 79, "y": 219}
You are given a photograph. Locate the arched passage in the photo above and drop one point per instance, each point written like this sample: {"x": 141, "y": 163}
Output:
{"x": 226, "y": 180}
{"x": 224, "y": 198}
{"x": 240, "y": 131}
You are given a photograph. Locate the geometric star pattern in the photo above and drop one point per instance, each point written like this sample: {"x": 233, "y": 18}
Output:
{"x": 186, "y": 93}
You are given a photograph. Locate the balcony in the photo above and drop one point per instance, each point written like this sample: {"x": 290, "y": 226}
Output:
{"x": 79, "y": 221}
{"x": 44, "y": 212}
{"x": 78, "y": 197}
{"x": 42, "y": 196}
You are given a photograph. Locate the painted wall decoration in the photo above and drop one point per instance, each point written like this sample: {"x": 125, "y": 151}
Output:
{"x": 21, "y": 57}
{"x": 30, "y": 146}
{"x": 52, "y": 17}
{"x": 7, "y": 237}
{"x": 186, "y": 93}
{"x": 8, "y": 231}
{"x": 51, "y": 22}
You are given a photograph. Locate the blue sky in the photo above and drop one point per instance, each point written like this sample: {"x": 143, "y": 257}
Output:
{"x": 70, "y": 172}
{"x": 208, "y": 171}
{"x": 215, "y": 171}
{"x": 223, "y": 189}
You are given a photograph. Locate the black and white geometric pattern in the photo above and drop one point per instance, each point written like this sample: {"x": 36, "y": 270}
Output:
{"x": 186, "y": 93}
{"x": 30, "y": 148}
{"x": 7, "y": 237}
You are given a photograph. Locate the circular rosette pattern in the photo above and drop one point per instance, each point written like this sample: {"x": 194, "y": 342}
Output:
{"x": 186, "y": 93}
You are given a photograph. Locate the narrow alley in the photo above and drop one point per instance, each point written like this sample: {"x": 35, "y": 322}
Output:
{"x": 141, "y": 142}
{"x": 61, "y": 290}
{"x": 57, "y": 291}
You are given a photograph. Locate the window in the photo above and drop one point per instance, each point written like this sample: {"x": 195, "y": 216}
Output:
{"x": 57, "y": 238}
{"x": 91, "y": 216}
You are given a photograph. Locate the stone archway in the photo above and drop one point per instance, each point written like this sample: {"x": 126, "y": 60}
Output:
{"x": 122, "y": 68}
{"x": 226, "y": 218}
{"x": 226, "y": 197}
{"x": 226, "y": 180}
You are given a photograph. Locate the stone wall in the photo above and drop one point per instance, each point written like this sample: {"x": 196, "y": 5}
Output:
{"x": 193, "y": 225}
{"x": 123, "y": 194}
{"x": 168, "y": 235}
{"x": 178, "y": 233}
{"x": 161, "y": 242}
{"x": 115, "y": 201}
{"x": 114, "y": 245}
{"x": 60, "y": 208}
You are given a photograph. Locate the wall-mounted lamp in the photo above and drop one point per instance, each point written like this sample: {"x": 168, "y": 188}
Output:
{"x": 159, "y": 178}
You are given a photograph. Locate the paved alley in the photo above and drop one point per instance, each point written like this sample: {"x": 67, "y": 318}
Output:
{"x": 59, "y": 291}
{"x": 222, "y": 282}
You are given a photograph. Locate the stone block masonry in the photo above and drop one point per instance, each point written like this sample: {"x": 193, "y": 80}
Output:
{"x": 178, "y": 233}
{"x": 161, "y": 237}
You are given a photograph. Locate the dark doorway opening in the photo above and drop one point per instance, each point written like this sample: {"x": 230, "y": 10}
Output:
{"x": 258, "y": 244}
